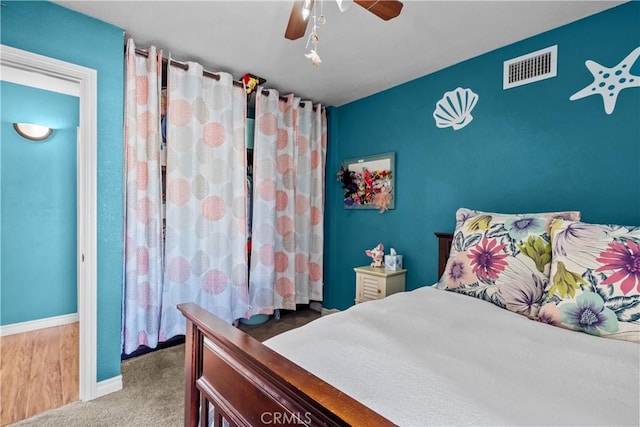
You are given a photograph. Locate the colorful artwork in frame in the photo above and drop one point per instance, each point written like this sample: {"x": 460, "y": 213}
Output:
{"x": 368, "y": 182}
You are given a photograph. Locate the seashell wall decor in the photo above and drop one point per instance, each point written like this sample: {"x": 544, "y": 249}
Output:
{"x": 454, "y": 109}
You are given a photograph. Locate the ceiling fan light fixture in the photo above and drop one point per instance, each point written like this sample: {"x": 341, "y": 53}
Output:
{"x": 343, "y": 4}
{"x": 306, "y": 9}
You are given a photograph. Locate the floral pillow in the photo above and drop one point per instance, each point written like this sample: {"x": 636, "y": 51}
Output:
{"x": 502, "y": 258}
{"x": 595, "y": 280}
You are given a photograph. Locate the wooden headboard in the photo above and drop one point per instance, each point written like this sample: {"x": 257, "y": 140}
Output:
{"x": 444, "y": 248}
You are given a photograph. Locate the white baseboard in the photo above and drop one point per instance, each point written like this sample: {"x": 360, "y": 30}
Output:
{"x": 109, "y": 386}
{"x": 326, "y": 311}
{"x": 34, "y": 325}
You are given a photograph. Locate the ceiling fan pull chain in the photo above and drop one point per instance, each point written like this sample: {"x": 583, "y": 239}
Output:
{"x": 314, "y": 30}
{"x": 313, "y": 38}
{"x": 322, "y": 20}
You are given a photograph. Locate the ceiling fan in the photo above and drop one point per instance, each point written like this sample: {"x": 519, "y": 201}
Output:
{"x": 301, "y": 10}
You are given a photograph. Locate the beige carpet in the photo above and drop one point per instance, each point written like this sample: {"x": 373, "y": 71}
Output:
{"x": 153, "y": 387}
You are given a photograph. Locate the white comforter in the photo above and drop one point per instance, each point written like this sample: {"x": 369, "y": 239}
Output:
{"x": 433, "y": 357}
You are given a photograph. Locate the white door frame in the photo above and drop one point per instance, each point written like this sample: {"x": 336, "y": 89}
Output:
{"x": 30, "y": 69}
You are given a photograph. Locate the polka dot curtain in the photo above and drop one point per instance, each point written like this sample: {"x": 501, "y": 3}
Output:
{"x": 143, "y": 225}
{"x": 288, "y": 203}
{"x": 206, "y": 231}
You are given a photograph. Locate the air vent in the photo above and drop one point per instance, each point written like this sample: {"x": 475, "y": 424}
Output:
{"x": 529, "y": 68}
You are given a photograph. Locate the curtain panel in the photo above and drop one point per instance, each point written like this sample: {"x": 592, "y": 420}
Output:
{"x": 206, "y": 200}
{"x": 201, "y": 256}
{"x": 142, "y": 284}
{"x": 288, "y": 203}
{"x": 311, "y": 145}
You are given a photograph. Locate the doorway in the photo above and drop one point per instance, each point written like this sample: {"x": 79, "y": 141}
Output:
{"x": 39, "y": 363}
{"x": 37, "y": 71}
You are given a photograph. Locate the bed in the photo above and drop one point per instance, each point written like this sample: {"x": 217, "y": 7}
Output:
{"x": 425, "y": 357}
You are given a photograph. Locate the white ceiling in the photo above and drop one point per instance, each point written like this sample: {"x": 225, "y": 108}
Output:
{"x": 361, "y": 54}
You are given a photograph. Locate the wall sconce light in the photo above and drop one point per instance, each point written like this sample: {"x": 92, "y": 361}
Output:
{"x": 32, "y": 131}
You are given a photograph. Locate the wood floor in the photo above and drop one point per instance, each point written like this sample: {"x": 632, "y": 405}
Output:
{"x": 38, "y": 371}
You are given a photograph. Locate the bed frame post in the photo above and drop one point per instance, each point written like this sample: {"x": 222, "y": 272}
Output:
{"x": 192, "y": 371}
{"x": 445, "y": 240}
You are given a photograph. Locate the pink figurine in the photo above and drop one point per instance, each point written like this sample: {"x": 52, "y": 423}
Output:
{"x": 377, "y": 254}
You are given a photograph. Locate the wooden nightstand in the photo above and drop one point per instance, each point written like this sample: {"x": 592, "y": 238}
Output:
{"x": 377, "y": 283}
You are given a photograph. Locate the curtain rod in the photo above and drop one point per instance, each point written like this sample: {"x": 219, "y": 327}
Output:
{"x": 205, "y": 73}
{"x": 265, "y": 92}
{"x": 184, "y": 66}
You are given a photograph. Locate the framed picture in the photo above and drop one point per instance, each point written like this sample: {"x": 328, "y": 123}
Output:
{"x": 369, "y": 182}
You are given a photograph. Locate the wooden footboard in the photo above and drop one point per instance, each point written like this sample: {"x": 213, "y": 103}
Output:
{"x": 233, "y": 378}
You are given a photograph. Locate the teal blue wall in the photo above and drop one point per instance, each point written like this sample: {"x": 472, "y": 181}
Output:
{"x": 38, "y": 207}
{"x": 527, "y": 149}
{"x": 51, "y": 30}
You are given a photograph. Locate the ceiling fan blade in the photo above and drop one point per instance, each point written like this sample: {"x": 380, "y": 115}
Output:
{"x": 297, "y": 25}
{"x": 385, "y": 9}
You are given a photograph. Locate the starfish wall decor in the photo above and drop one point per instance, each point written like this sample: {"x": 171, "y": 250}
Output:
{"x": 608, "y": 82}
